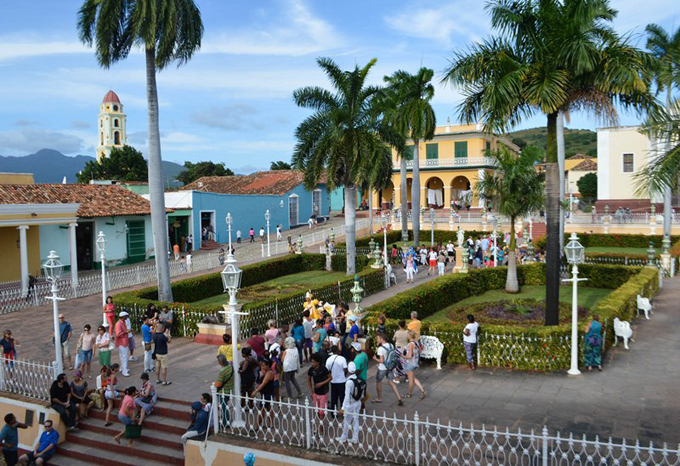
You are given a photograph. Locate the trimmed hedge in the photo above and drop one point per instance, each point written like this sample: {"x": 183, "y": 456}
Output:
{"x": 589, "y": 240}
{"x": 542, "y": 348}
{"x": 394, "y": 236}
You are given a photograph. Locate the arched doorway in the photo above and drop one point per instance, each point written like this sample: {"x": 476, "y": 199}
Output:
{"x": 435, "y": 192}
{"x": 461, "y": 195}
{"x": 386, "y": 197}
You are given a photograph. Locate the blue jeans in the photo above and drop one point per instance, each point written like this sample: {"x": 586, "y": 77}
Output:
{"x": 298, "y": 345}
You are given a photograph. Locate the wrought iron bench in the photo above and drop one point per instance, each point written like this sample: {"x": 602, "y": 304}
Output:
{"x": 643, "y": 304}
{"x": 432, "y": 349}
{"x": 622, "y": 330}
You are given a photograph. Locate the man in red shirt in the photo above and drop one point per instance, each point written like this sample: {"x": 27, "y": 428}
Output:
{"x": 122, "y": 342}
{"x": 256, "y": 343}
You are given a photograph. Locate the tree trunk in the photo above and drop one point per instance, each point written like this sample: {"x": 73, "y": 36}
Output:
{"x": 511, "y": 283}
{"x": 552, "y": 260}
{"x": 156, "y": 195}
{"x": 560, "y": 163}
{"x": 415, "y": 195}
{"x": 403, "y": 195}
{"x": 350, "y": 227}
{"x": 667, "y": 191}
{"x": 370, "y": 211}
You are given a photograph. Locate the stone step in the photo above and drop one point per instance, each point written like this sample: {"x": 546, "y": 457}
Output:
{"x": 164, "y": 424}
{"x": 70, "y": 454}
{"x": 149, "y": 435}
{"x": 138, "y": 450}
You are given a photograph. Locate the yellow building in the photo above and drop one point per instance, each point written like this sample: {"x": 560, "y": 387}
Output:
{"x": 111, "y": 125}
{"x": 450, "y": 165}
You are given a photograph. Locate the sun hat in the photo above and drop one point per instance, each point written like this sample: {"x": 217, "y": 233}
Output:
{"x": 353, "y": 318}
{"x": 357, "y": 346}
{"x": 123, "y": 314}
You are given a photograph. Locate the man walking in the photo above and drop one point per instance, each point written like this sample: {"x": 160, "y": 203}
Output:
{"x": 122, "y": 343}
{"x": 190, "y": 243}
{"x": 336, "y": 365}
{"x": 9, "y": 439}
{"x": 65, "y": 332}
{"x": 351, "y": 405}
{"x": 384, "y": 350}
{"x": 148, "y": 348}
{"x": 225, "y": 386}
{"x": 238, "y": 236}
{"x": 262, "y": 235}
{"x": 278, "y": 232}
{"x": 160, "y": 341}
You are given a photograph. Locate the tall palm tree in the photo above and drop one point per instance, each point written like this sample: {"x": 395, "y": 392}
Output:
{"x": 666, "y": 49}
{"x": 550, "y": 56}
{"x": 169, "y": 31}
{"x": 414, "y": 118}
{"x": 663, "y": 170}
{"x": 343, "y": 139}
{"x": 514, "y": 190}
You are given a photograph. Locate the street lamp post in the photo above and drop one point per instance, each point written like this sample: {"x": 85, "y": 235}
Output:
{"x": 431, "y": 227}
{"x": 101, "y": 247}
{"x": 231, "y": 279}
{"x": 575, "y": 253}
{"x": 384, "y": 221}
{"x": 53, "y": 269}
{"x": 494, "y": 235}
{"x": 267, "y": 217}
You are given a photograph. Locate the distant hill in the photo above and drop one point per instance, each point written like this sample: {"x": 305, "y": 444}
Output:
{"x": 576, "y": 141}
{"x": 51, "y": 166}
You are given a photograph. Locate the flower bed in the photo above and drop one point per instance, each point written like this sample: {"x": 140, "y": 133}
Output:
{"x": 521, "y": 312}
{"x": 538, "y": 348}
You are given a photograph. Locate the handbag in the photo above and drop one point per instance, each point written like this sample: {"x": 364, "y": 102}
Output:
{"x": 97, "y": 400}
{"x": 147, "y": 346}
{"x": 133, "y": 431}
{"x": 79, "y": 360}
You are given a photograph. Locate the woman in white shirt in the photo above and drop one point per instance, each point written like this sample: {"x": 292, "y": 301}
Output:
{"x": 291, "y": 364}
{"x": 470, "y": 339}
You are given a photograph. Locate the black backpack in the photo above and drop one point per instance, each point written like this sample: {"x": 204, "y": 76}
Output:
{"x": 359, "y": 390}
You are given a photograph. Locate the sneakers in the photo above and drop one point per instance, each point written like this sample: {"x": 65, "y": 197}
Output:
{"x": 341, "y": 439}
{"x": 125, "y": 374}
{"x": 133, "y": 358}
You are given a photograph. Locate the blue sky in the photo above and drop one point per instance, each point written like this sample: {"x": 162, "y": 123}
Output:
{"x": 232, "y": 102}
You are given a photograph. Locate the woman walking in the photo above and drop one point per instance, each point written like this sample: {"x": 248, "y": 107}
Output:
{"x": 410, "y": 266}
{"x": 127, "y": 413}
{"x": 411, "y": 359}
{"x": 400, "y": 343}
{"x": 86, "y": 343}
{"x": 110, "y": 312}
{"x": 593, "y": 347}
{"x": 291, "y": 364}
{"x": 102, "y": 343}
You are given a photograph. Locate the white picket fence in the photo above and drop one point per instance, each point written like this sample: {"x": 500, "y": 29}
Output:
{"x": 31, "y": 379}
{"x": 410, "y": 440}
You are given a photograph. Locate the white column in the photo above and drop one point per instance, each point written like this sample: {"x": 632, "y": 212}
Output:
{"x": 74, "y": 253}
{"x": 480, "y": 176}
{"x": 23, "y": 256}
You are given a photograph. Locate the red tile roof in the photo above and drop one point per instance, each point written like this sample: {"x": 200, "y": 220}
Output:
{"x": 275, "y": 182}
{"x": 94, "y": 200}
{"x": 580, "y": 156}
{"x": 111, "y": 97}
{"x": 586, "y": 166}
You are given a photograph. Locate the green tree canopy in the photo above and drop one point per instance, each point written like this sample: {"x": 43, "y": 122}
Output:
{"x": 587, "y": 186}
{"x": 126, "y": 164}
{"x": 280, "y": 165}
{"x": 194, "y": 171}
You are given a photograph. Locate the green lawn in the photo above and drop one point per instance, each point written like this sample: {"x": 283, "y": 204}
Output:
{"x": 288, "y": 283}
{"x": 613, "y": 250}
{"x": 587, "y": 297}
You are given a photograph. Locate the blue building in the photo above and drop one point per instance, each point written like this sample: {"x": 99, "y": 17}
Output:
{"x": 247, "y": 198}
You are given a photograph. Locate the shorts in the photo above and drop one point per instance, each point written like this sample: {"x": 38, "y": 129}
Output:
{"x": 433, "y": 263}
{"x": 66, "y": 349}
{"x": 162, "y": 360}
{"x": 111, "y": 394}
{"x": 124, "y": 419}
{"x": 9, "y": 360}
{"x": 131, "y": 343}
{"x": 308, "y": 342}
{"x": 381, "y": 374}
{"x": 86, "y": 355}
{"x": 11, "y": 456}
{"x": 450, "y": 253}
{"x": 45, "y": 457}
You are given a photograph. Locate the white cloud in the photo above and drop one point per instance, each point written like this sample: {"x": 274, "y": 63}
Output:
{"x": 30, "y": 140}
{"x": 28, "y": 45}
{"x": 231, "y": 117}
{"x": 295, "y": 32}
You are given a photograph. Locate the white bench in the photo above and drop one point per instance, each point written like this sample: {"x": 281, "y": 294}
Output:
{"x": 643, "y": 304}
{"x": 432, "y": 349}
{"x": 390, "y": 274}
{"x": 622, "y": 330}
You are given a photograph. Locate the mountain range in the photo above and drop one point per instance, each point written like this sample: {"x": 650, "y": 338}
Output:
{"x": 51, "y": 166}
{"x": 576, "y": 141}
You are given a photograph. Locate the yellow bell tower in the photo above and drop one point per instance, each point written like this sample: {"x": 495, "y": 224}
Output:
{"x": 111, "y": 126}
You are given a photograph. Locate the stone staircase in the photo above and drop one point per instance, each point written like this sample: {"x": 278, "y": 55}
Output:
{"x": 92, "y": 442}
{"x": 210, "y": 245}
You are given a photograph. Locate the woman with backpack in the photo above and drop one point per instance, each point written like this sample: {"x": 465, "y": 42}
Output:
{"x": 387, "y": 358}
{"x": 355, "y": 389}
{"x": 593, "y": 348}
{"x": 411, "y": 364}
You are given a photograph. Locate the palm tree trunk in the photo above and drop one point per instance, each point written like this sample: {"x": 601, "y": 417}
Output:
{"x": 370, "y": 211}
{"x": 560, "y": 164}
{"x": 156, "y": 195}
{"x": 667, "y": 191}
{"x": 403, "y": 198}
{"x": 552, "y": 272}
{"x": 350, "y": 227}
{"x": 415, "y": 195}
{"x": 511, "y": 283}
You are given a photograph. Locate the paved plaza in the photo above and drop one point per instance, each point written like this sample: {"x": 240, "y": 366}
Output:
{"x": 634, "y": 397}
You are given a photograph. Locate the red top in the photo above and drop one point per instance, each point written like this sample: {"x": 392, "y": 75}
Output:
{"x": 122, "y": 338}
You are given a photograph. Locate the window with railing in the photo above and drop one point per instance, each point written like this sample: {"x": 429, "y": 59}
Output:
{"x": 432, "y": 151}
{"x": 461, "y": 149}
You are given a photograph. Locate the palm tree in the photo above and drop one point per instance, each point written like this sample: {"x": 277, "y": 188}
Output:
{"x": 550, "y": 56}
{"x": 343, "y": 139}
{"x": 170, "y": 32}
{"x": 514, "y": 190}
{"x": 412, "y": 117}
{"x": 666, "y": 50}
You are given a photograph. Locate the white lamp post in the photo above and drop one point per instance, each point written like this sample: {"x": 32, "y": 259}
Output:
{"x": 228, "y": 219}
{"x": 267, "y": 217}
{"x": 53, "y": 269}
{"x": 101, "y": 247}
{"x": 384, "y": 220}
{"x": 575, "y": 253}
{"x": 494, "y": 235}
{"x": 431, "y": 227}
{"x": 231, "y": 279}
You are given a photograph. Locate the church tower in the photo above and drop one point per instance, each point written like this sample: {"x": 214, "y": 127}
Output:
{"x": 111, "y": 126}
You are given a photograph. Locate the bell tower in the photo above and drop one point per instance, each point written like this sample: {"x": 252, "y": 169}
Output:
{"x": 111, "y": 130}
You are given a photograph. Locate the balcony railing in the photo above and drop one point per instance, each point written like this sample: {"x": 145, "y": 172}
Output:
{"x": 455, "y": 162}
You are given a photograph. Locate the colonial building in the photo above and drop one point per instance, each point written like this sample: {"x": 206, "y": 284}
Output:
{"x": 450, "y": 165}
{"x": 110, "y": 125}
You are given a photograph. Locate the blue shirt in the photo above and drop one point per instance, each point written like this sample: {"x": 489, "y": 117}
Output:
{"x": 64, "y": 330}
{"x": 146, "y": 333}
{"x": 47, "y": 439}
{"x": 9, "y": 435}
{"x": 353, "y": 331}
{"x": 299, "y": 333}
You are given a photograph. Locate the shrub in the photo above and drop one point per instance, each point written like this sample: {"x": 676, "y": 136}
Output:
{"x": 590, "y": 240}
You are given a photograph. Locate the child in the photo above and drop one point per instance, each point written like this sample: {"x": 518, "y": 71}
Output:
{"x": 382, "y": 328}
